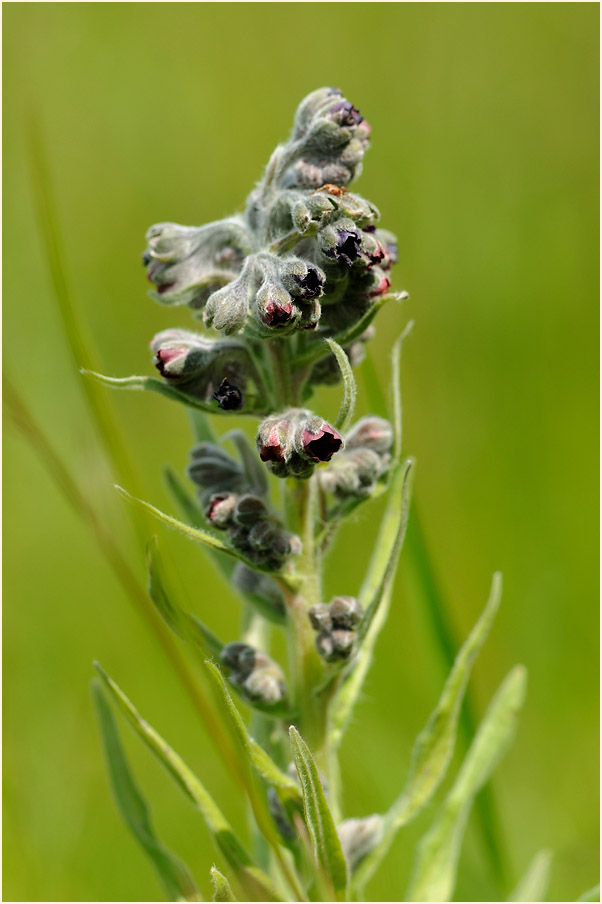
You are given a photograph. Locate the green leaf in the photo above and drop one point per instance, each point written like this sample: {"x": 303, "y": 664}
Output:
{"x": 592, "y": 894}
{"x": 349, "y": 388}
{"x": 435, "y": 744}
{"x": 221, "y": 886}
{"x": 257, "y": 756}
{"x": 434, "y": 874}
{"x": 193, "y": 533}
{"x": 177, "y": 881}
{"x": 534, "y": 884}
{"x": 252, "y": 880}
{"x": 318, "y": 817}
{"x": 186, "y": 626}
{"x": 151, "y": 384}
{"x": 383, "y": 565}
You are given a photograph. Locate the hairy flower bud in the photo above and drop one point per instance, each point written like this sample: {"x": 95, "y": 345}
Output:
{"x": 214, "y": 471}
{"x": 257, "y": 676}
{"x": 186, "y": 264}
{"x": 221, "y": 509}
{"x": 294, "y": 442}
{"x": 335, "y": 624}
{"x": 371, "y": 432}
{"x": 345, "y": 612}
{"x": 249, "y": 510}
{"x": 359, "y": 836}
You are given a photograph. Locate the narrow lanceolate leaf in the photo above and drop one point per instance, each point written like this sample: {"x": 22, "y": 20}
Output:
{"x": 534, "y": 884}
{"x": 252, "y": 880}
{"x": 257, "y": 756}
{"x": 592, "y": 894}
{"x": 434, "y": 875}
{"x": 383, "y": 564}
{"x": 151, "y": 384}
{"x": 221, "y": 886}
{"x": 396, "y": 390}
{"x": 318, "y": 817}
{"x": 193, "y": 533}
{"x": 349, "y": 388}
{"x": 186, "y": 626}
{"x": 435, "y": 744}
{"x": 175, "y": 877}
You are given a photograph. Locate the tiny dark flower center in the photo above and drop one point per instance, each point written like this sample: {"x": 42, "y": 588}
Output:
{"x": 277, "y": 314}
{"x": 311, "y": 284}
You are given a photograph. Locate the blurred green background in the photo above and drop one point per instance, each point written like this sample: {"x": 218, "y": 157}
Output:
{"x": 484, "y": 162}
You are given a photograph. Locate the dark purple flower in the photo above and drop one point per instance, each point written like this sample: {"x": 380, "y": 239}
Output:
{"x": 347, "y": 248}
{"x": 322, "y": 445}
{"x": 311, "y": 284}
{"x": 229, "y": 397}
{"x": 275, "y": 314}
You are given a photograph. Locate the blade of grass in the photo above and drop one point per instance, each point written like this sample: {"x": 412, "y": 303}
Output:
{"x": 534, "y": 884}
{"x": 174, "y": 875}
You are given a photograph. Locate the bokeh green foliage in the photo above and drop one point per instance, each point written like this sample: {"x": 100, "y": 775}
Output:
{"x": 484, "y": 162}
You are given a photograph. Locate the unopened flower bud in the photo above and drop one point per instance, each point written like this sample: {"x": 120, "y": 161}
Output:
{"x": 345, "y": 612}
{"x": 265, "y": 686}
{"x": 304, "y": 281}
{"x": 359, "y": 836}
{"x": 249, "y": 509}
{"x": 371, "y": 432}
{"x": 239, "y": 658}
{"x": 258, "y": 677}
{"x": 214, "y": 471}
{"x": 319, "y": 616}
{"x": 227, "y": 310}
{"x": 220, "y": 510}
{"x": 186, "y": 264}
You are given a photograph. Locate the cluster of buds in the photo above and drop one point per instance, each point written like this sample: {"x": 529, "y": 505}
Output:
{"x": 306, "y": 254}
{"x": 231, "y": 503}
{"x": 293, "y": 443}
{"x": 335, "y": 625}
{"x": 258, "y": 677}
{"x": 364, "y": 462}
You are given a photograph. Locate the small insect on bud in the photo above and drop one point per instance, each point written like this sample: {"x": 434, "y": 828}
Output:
{"x": 359, "y": 836}
{"x": 229, "y": 397}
